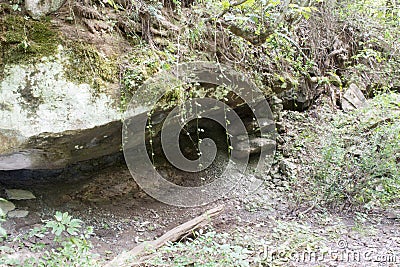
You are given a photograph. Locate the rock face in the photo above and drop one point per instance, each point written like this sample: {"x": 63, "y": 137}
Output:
{"x": 299, "y": 98}
{"x": 18, "y": 214}
{"x": 39, "y": 8}
{"x": 255, "y": 145}
{"x": 277, "y": 108}
{"x": 353, "y": 98}
{"x": 48, "y": 122}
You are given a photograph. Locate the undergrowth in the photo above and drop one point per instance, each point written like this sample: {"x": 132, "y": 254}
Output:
{"x": 69, "y": 246}
{"x": 244, "y": 246}
{"x": 358, "y": 157}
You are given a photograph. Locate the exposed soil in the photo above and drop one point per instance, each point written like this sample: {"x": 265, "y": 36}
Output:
{"x": 123, "y": 216}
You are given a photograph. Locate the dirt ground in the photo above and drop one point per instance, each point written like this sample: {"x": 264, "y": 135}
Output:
{"x": 123, "y": 216}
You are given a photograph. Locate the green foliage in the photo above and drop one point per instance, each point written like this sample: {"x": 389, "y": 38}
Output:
{"x": 113, "y": 4}
{"x": 16, "y": 5}
{"x": 70, "y": 246}
{"x": 87, "y": 65}
{"x": 209, "y": 249}
{"x": 25, "y": 40}
{"x": 63, "y": 222}
{"x": 247, "y": 246}
{"x": 374, "y": 26}
{"x": 143, "y": 63}
{"x": 360, "y": 163}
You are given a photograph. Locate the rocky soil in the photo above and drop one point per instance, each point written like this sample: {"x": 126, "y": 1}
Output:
{"x": 123, "y": 216}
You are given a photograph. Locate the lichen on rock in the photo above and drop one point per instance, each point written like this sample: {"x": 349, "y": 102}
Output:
{"x": 38, "y": 98}
{"x": 41, "y": 99}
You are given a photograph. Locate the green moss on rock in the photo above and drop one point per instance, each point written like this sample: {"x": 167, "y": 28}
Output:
{"x": 142, "y": 63}
{"x": 24, "y": 40}
{"x": 87, "y": 65}
{"x": 5, "y": 8}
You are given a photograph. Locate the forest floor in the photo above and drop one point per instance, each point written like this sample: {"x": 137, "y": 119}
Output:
{"x": 275, "y": 226}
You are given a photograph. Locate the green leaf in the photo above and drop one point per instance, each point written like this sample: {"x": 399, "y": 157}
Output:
{"x": 275, "y": 2}
{"x": 225, "y": 4}
{"x": 75, "y": 223}
{"x": 51, "y": 224}
{"x": 65, "y": 218}
{"x": 58, "y": 216}
{"x": 3, "y": 232}
{"x": 58, "y": 231}
{"x": 72, "y": 230}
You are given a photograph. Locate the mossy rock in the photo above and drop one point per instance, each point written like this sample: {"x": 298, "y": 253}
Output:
{"x": 88, "y": 65}
{"x": 24, "y": 40}
{"x": 5, "y": 8}
{"x": 39, "y": 8}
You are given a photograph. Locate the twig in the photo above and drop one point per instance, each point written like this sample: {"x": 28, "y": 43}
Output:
{"x": 294, "y": 43}
{"x": 307, "y": 210}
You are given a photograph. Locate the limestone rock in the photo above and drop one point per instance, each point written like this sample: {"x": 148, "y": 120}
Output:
{"x": 335, "y": 80}
{"x": 282, "y": 83}
{"x": 287, "y": 168}
{"x": 6, "y": 206}
{"x": 254, "y": 146}
{"x": 18, "y": 214}
{"x": 277, "y": 108}
{"x": 299, "y": 98}
{"x": 353, "y": 98}
{"x": 49, "y": 122}
{"x": 19, "y": 194}
{"x": 39, "y": 8}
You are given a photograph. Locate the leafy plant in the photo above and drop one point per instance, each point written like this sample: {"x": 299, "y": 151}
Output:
{"x": 64, "y": 222}
{"x": 360, "y": 163}
{"x": 70, "y": 246}
{"x": 243, "y": 247}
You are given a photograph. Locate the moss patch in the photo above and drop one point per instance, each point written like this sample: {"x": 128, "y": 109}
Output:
{"x": 141, "y": 64}
{"x": 87, "y": 65}
{"x": 24, "y": 40}
{"x": 5, "y": 8}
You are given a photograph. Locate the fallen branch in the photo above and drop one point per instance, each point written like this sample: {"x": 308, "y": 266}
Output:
{"x": 127, "y": 258}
